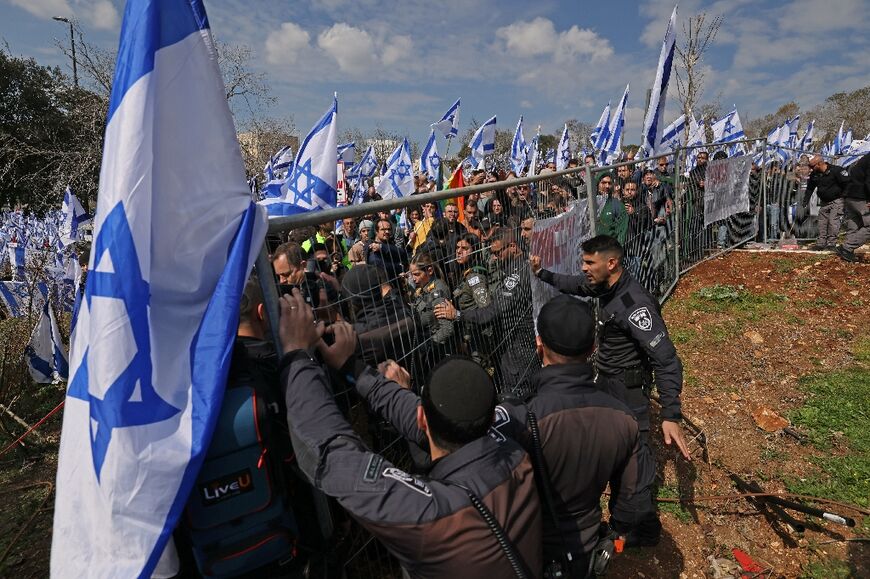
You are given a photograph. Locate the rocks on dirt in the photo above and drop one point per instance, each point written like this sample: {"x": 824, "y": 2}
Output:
{"x": 768, "y": 420}
{"x": 754, "y": 337}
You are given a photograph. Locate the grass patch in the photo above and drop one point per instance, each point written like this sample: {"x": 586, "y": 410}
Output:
{"x": 676, "y": 509}
{"x": 734, "y": 299}
{"x": 835, "y": 417}
{"x": 830, "y": 569}
{"x": 683, "y": 336}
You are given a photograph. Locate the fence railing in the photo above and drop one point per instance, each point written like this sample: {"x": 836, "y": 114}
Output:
{"x": 480, "y": 268}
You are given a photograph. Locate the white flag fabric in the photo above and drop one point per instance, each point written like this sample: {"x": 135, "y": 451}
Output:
{"x": 563, "y": 151}
{"x": 175, "y": 237}
{"x": 45, "y": 354}
{"x": 601, "y": 133}
{"x": 613, "y": 147}
{"x": 519, "y": 150}
{"x": 673, "y": 137}
{"x": 728, "y": 128}
{"x": 483, "y": 142}
{"x": 73, "y": 215}
{"x": 398, "y": 179}
{"x": 652, "y": 124}
{"x": 448, "y": 125}
{"x": 430, "y": 162}
{"x": 312, "y": 183}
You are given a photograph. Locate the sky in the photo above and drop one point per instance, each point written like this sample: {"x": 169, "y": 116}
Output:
{"x": 399, "y": 65}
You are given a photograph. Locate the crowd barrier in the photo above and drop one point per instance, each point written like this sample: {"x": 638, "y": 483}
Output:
{"x": 667, "y": 222}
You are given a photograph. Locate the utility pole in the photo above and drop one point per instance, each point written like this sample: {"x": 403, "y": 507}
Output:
{"x": 72, "y": 42}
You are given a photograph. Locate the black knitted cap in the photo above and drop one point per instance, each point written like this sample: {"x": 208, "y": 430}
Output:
{"x": 461, "y": 390}
{"x": 566, "y": 326}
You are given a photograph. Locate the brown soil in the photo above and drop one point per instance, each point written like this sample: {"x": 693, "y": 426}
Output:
{"x": 733, "y": 367}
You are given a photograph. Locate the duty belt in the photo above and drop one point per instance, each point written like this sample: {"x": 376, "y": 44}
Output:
{"x": 633, "y": 377}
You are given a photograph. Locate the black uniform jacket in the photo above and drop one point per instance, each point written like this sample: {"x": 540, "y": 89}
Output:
{"x": 828, "y": 185}
{"x": 631, "y": 333}
{"x": 428, "y": 523}
{"x": 588, "y": 439}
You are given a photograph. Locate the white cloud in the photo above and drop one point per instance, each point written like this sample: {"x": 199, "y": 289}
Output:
{"x": 359, "y": 51}
{"x": 102, "y": 14}
{"x": 45, "y": 8}
{"x": 284, "y": 45}
{"x": 539, "y": 37}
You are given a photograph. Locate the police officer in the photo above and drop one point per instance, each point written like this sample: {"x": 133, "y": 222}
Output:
{"x": 430, "y": 290}
{"x": 829, "y": 182}
{"x": 633, "y": 346}
{"x": 443, "y": 525}
{"x": 586, "y": 437}
{"x": 511, "y": 307}
{"x": 856, "y": 209}
{"x": 470, "y": 281}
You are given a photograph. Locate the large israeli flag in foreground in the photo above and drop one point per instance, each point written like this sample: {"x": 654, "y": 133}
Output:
{"x": 174, "y": 240}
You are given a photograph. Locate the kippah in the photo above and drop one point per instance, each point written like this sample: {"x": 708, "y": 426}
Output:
{"x": 461, "y": 390}
{"x": 566, "y": 326}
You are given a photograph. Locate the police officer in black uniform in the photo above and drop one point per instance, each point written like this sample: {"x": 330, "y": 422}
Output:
{"x": 829, "y": 182}
{"x": 634, "y": 351}
{"x": 511, "y": 306}
{"x": 443, "y": 525}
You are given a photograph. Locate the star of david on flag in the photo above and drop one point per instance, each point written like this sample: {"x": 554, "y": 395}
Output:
{"x": 563, "y": 154}
{"x": 483, "y": 142}
{"x": 448, "y": 125}
{"x": 311, "y": 183}
{"x": 397, "y": 180}
{"x": 430, "y": 162}
{"x": 154, "y": 334}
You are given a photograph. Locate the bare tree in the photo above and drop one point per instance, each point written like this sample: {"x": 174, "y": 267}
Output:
{"x": 699, "y": 35}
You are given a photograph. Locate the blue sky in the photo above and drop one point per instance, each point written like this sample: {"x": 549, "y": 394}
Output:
{"x": 400, "y": 64}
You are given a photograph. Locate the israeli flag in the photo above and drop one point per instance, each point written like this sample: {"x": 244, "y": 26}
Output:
{"x": 311, "y": 184}
{"x": 21, "y": 299}
{"x": 397, "y": 180}
{"x": 601, "y": 132}
{"x": 483, "y": 142}
{"x": 282, "y": 159}
{"x": 847, "y": 142}
{"x": 347, "y": 153}
{"x": 73, "y": 215}
{"x": 563, "y": 151}
{"x": 18, "y": 260}
{"x": 697, "y": 137}
{"x": 807, "y": 140}
{"x": 175, "y": 236}
{"x": 519, "y": 149}
{"x": 673, "y": 136}
{"x": 449, "y": 123}
{"x": 652, "y": 124}
{"x": 534, "y": 153}
{"x": 363, "y": 172}
{"x": 728, "y": 128}
{"x": 838, "y": 140}
{"x": 430, "y": 162}
{"x": 793, "y": 131}
{"x": 613, "y": 147}
{"x": 45, "y": 354}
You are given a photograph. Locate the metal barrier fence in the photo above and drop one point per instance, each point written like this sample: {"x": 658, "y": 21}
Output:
{"x": 405, "y": 310}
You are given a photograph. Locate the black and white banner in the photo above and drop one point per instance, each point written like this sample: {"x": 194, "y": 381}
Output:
{"x": 726, "y": 188}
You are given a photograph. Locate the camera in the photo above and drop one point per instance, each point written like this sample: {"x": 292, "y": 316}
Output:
{"x": 309, "y": 288}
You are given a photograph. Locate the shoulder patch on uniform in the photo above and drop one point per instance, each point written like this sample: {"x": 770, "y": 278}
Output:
{"x": 502, "y": 417}
{"x": 373, "y": 468}
{"x": 511, "y": 281}
{"x": 655, "y": 341}
{"x": 641, "y": 319}
{"x": 473, "y": 280}
{"x": 844, "y": 172}
{"x": 411, "y": 482}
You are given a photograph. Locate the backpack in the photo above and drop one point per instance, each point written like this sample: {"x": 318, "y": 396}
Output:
{"x": 238, "y": 516}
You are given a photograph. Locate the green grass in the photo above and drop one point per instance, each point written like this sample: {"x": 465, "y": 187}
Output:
{"x": 830, "y": 569}
{"x": 683, "y": 336}
{"x": 834, "y": 419}
{"x": 733, "y": 299}
{"x": 676, "y": 509}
